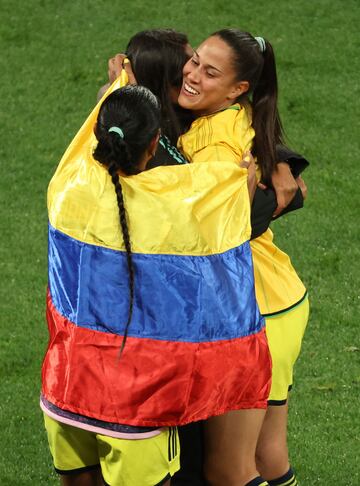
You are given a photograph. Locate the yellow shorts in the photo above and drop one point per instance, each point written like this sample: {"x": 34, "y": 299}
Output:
{"x": 285, "y": 333}
{"x": 145, "y": 462}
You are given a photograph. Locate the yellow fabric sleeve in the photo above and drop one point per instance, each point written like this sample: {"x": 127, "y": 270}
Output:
{"x": 277, "y": 284}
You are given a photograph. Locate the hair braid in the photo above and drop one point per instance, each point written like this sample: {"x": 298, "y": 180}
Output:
{"x": 136, "y": 112}
{"x": 126, "y": 237}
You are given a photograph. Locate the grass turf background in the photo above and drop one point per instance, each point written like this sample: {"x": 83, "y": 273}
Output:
{"x": 53, "y": 59}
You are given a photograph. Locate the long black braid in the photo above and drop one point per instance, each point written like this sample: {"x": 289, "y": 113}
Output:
{"x": 135, "y": 113}
{"x": 126, "y": 237}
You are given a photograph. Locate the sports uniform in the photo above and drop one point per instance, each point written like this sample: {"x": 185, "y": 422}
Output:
{"x": 281, "y": 295}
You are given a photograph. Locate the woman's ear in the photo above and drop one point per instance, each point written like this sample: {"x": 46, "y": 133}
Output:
{"x": 239, "y": 89}
{"x": 154, "y": 143}
{"x": 150, "y": 151}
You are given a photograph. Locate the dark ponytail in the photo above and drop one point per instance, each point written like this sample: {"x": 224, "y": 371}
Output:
{"x": 266, "y": 119}
{"x": 254, "y": 62}
{"x": 128, "y": 121}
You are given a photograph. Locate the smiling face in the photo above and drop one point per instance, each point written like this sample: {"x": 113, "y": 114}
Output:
{"x": 209, "y": 79}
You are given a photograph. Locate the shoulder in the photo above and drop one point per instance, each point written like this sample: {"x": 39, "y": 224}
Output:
{"x": 225, "y": 127}
{"x": 235, "y": 115}
{"x": 243, "y": 117}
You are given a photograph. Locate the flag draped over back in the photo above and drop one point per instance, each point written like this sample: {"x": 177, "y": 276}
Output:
{"x": 196, "y": 345}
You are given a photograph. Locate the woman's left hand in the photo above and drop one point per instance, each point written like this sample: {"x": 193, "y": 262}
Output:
{"x": 248, "y": 162}
{"x": 116, "y": 64}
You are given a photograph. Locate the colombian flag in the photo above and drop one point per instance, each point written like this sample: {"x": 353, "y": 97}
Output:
{"x": 196, "y": 345}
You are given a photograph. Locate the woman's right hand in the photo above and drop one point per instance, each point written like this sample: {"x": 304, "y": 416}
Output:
{"x": 285, "y": 186}
{"x": 115, "y": 66}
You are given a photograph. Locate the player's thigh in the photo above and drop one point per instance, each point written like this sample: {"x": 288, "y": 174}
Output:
{"x": 230, "y": 442}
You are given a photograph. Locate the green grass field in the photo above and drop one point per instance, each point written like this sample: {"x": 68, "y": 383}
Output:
{"x": 53, "y": 59}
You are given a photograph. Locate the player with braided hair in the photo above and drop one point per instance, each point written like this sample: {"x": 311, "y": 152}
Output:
{"x": 176, "y": 298}
{"x": 122, "y": 150}
{"x": 86, "y": 450}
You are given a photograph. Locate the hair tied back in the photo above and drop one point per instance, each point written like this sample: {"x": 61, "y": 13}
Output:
{"x": 117, "y": 130}
{"x": 262, "y": 43}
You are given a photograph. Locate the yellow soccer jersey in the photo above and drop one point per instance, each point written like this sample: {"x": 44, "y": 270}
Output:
{"x": 225, "y": 136}
{"x": 277, "y": 285}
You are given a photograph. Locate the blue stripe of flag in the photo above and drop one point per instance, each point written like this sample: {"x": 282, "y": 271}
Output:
{"x": 177, "y": 298}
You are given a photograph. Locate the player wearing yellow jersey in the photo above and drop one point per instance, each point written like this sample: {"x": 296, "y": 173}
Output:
{"x": 224, "y": 70}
